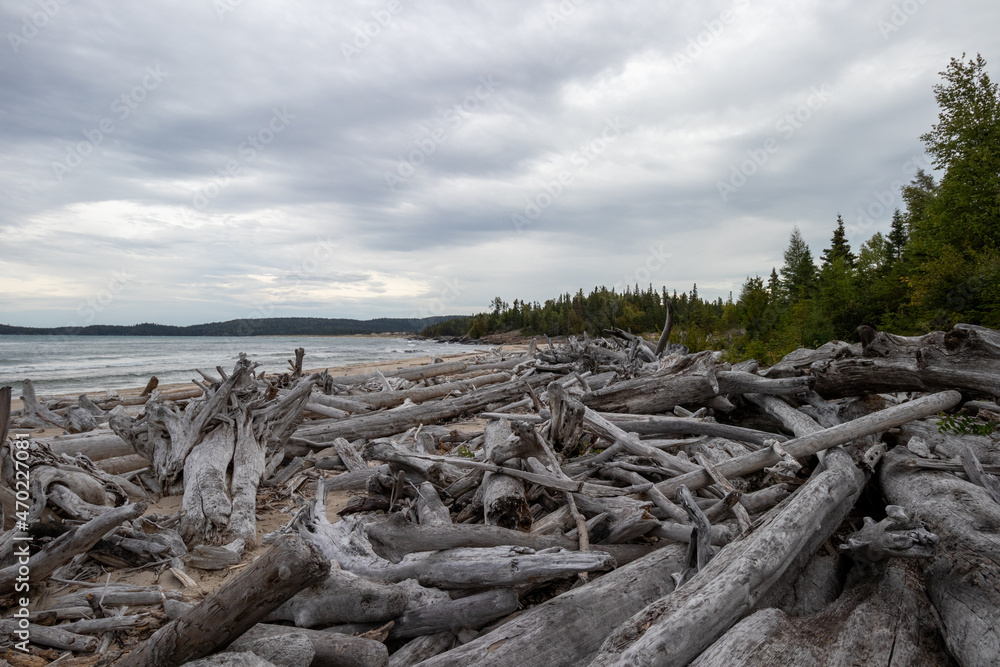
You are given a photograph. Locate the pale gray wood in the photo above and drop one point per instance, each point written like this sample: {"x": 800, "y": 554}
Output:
{"x": 50, "y": 636}
{"x": 504, "y": 503}
{"x": 422, "y": 648}
{"x": 655, "y": 424}
{"x": 430, "y": 510}
{"x": 962, "y": 515}
{"x": 803, "y": 446}
{"x": 676, "y": 628}
{"x": 288, "y": 650}
{"x": 413, "y": 373}
{"x": 472, "y": 611}
{"x": 566, "y": 630}
{"x": 290, "y": 565}
{"x": 389, "y": 399}
{"x": 882, "y": 620}
{"x": 350, "y": 455}
{"x": 78, "y": 540}
{"x": 331, "y": 650}
{"x": 342, "y": 598}
{"x": 398, "y": 420}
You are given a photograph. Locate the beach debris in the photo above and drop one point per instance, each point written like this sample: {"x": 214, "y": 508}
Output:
{"x": 601, "y": 501}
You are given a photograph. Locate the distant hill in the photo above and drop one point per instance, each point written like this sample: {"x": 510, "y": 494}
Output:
{"x": 273, "y": 326}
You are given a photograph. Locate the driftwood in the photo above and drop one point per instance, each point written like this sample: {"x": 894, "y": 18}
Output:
{"x": 290, "y": 565}
{"x": 647, "y": 499}
{"x": 674, "y": 630}
{"x": 963, "y": 516}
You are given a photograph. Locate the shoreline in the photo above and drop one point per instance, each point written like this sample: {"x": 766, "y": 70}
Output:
{"x": 334, "y": 371}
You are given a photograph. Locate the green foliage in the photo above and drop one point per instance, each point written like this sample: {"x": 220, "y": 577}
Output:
{"x": 465, "y": 452}
{"x": 963, "y": 425}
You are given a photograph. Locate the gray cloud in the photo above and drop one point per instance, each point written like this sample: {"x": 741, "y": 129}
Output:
{"x": 142, "y": 139}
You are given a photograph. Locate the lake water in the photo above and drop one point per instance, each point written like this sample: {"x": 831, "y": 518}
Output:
{"x": 75, "y": 364}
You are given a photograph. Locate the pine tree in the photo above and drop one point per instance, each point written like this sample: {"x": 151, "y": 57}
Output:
{"x": 839, "y": 246}
{"x": 799, "y": 272}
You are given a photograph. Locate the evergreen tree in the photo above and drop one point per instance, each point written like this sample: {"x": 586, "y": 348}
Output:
{"x": 839, "y": 246}
{"x": 799, "y": 272}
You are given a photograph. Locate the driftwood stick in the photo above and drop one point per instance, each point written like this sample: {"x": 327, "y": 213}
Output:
{"x": 803, "y": 446}
{"x": 675, "y": 629}
{"x": 64, "y": 548}
{"x": 290, "y": 565}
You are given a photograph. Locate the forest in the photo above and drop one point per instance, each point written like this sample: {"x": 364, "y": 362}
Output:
{"x": 938, "y": 264}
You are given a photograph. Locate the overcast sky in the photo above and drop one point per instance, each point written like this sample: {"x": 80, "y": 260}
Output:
{"x": 202, "y": 160}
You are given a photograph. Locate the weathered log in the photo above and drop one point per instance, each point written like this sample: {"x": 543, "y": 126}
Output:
{"x": 290, "y": 565}
{"x": 963, "y": 578}
{"x": 662, "y": 391}
{"x": 413, "y": 373}
{"x": 390, "y": 422}
{"x": 675, "y": 629}
{"x": 292, "y": 649}
{"x": 95, "y": 445}
{"x": 682, "y": 426}
{"x": 389, "y": 399}
{"x": 331, "y": 650}
{"x": 430, "y": 510}
{"x": 78, "y": 540}
{"x": 53, "y": 637}
{"x": 504, "y": 503}
{"x": 882, "y": 620}
{"x": 342, "y": 598}
{"x": 803, "y": 446}
{"x": 422, "y": 648}
{"x": 567, "y": 629}
{"x": 472, "y": 611}
{"x": 4, "y": 413}
{"x": 897, "y": 536}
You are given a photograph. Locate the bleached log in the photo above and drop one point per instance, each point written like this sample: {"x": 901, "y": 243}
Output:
{"x": 430, "y": 510}
{"x": 504, "y": 503}
{"x": 389, "y": 399}
{"x": 95, "y": 445}
{"x": 662, "y": 391}
{"x": 882, "y": 620}
{"x": 656, "y": 424}
{"x": 422, "y": 648}
{"x": 342, "y": 598}
{"x": 390, "y": 422}
{"x": 566, "y": 630}
{"x": 350, "y": 455}
{"x": 966, "y": 358}
{"x": 472, "y": 611}
{"x": 290, "y": 565}
{"x": 675, "y": 629}
{"x": 959, "y": 513}
{"x": 803, "y": 446}
{"x": 331, "y": 650}
{"x": 78, "y": 540}
{"x": 53, "y": 637}
{"x": 413, "y": 373}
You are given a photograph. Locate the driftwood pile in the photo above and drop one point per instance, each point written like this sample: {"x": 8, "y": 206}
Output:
{"x": 613, "y": 502}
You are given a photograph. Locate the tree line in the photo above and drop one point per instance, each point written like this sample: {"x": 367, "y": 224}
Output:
{"x": 939, "y": 263}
